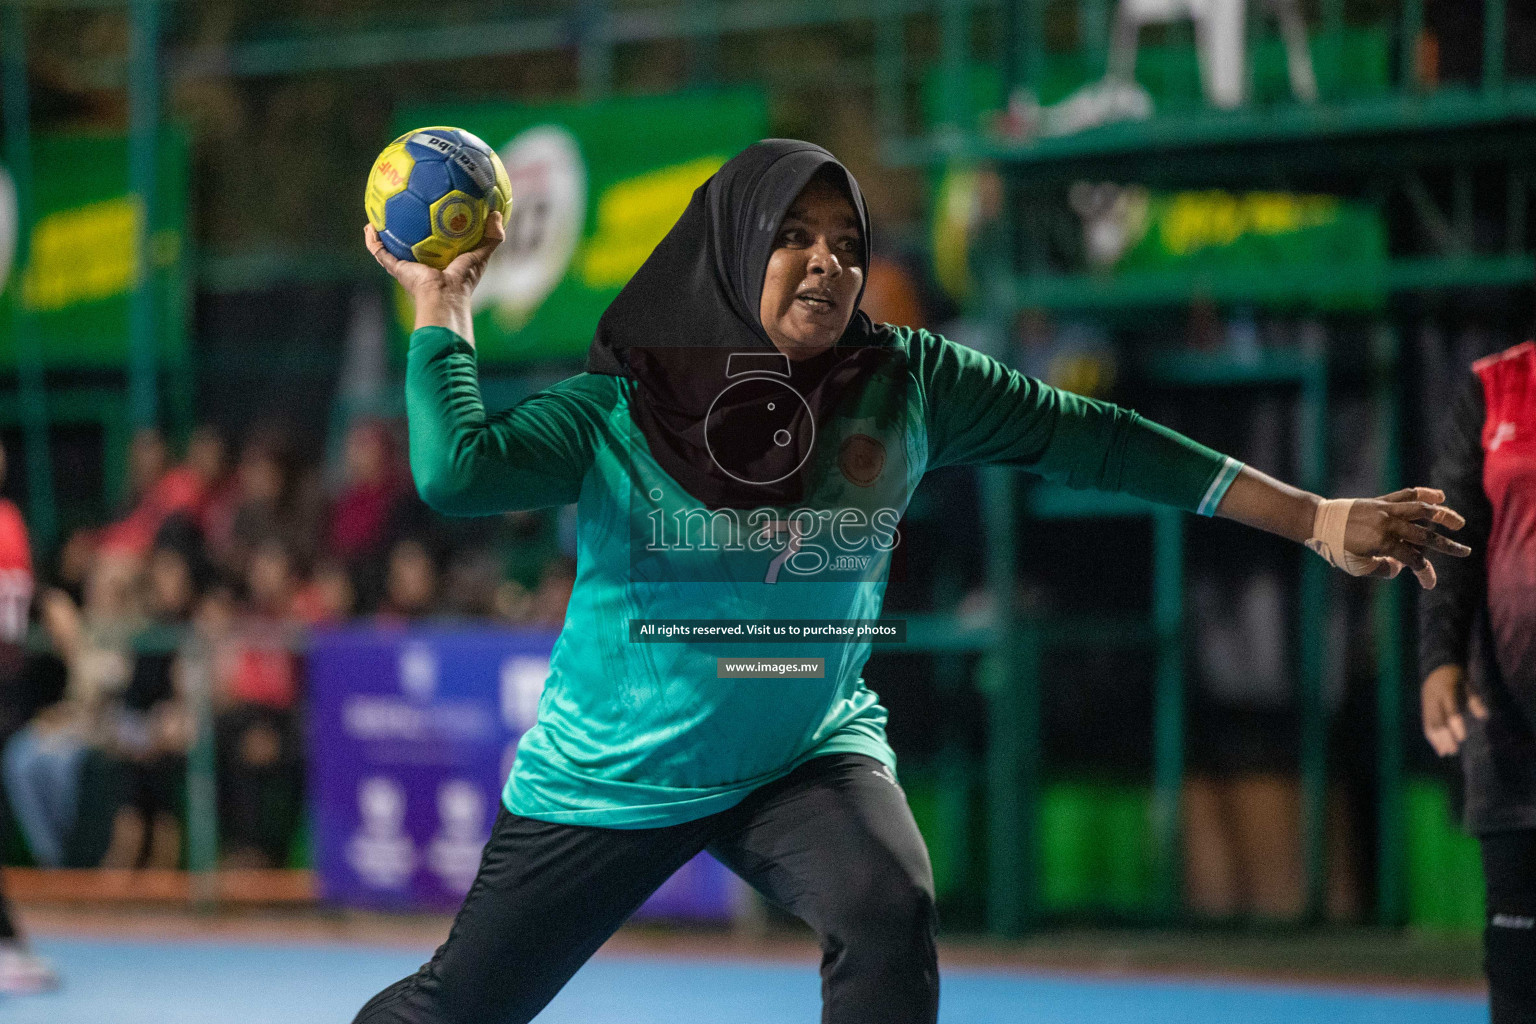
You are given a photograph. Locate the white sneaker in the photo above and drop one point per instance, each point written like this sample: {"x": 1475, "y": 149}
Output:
{"x": 23, "y": 972}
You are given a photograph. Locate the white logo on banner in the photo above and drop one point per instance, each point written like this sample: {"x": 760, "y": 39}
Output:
{"x": 380, "y": 852}
{"x": 418, "y": 671}
{"x": 522, "y": 684}
{"x": 455, "y": 851}
{"x": 549, "y": 210}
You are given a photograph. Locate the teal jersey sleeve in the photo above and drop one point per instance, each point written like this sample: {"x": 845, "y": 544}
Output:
{"x": 466, "y": 462}
{"x": 979, "y": 411}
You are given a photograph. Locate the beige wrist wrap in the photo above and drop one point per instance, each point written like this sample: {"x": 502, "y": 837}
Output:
{"x": 1328, "y": 538}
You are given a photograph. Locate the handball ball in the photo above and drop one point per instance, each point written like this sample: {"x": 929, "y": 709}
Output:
{"x": 430, "y": 192}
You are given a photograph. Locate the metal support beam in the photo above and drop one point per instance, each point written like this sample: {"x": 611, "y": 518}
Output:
{"x": 891, "y": 76}
{"x": 1168, "y": 709}
{"x": 1493, "y": 45}
{"x": 1462, "y": 215}
{"x": 954, "y": 64}
{"x": 1387, "y": 609}
{"x": 306, "y": 54}
{"x": 594, "y": 49}
{"x": 42, "y": 515}
{"x": 143, "y": 146}
{"x": 1411, "y": 27}
{"x": 704, "y": 49}
{"x": 1013, "y": 743}
{"x": 1315, "y": 600}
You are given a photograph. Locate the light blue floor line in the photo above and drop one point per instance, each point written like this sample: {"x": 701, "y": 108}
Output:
{"x": 223, "y": 982}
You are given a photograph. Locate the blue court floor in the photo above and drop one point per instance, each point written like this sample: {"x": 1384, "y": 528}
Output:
{"x": 221, "y": 982}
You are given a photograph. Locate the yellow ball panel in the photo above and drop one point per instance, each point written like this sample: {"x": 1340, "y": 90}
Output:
{"x": 503, "y": 186}
{"x": 458, "y": 218}
{"x": 435, "y": 252}
{"x": 389, "y": 176}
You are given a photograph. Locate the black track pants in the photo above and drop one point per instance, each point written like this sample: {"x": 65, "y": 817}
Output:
{"x": 832, "y": 842}
{"x": 1509, "y": 940}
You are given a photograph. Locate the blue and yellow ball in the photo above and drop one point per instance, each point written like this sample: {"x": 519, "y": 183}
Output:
{"x": 431, "y": 191}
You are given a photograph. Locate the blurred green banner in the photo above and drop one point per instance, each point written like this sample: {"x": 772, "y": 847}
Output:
{"x": 1219, "y": 230}
{"x": 594, "y": 188}
{"x": 84, "y": 235}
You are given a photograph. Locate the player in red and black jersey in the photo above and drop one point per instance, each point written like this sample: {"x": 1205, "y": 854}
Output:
{"x": 20, "y": 970}
{"x": 1478, "y": 653}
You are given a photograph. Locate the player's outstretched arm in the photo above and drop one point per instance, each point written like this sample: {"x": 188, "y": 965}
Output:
{"x": 1363, "y": 536}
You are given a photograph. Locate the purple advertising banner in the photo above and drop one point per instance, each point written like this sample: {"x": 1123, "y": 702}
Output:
{"x": 412, "y": 734}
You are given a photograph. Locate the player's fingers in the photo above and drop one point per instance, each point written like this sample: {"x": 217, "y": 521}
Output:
{"x": 1386, "y": 569}
{"x": 495, "y": 228}
{"x": 1422, "y": 510}
{"x": 1441, "y": 741}
{"x": 1457, "y": 727}
{"x": 1411, "y": 557}
{"x": 470, "y": 265}
{"x": 375, "y": 246}
{"x": 1438, "y": 709}
{"x": 1426, "y": 494}
{"x": 1477, "y": 707}
{"x": 1422, "y": 537}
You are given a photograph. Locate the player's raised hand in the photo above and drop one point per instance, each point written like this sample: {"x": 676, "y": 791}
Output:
{"x": 1398, "y": 530}
{"x": 461, "y": 275}
{"x": 1441, "y": 701}
{"x": 441, "y": 297}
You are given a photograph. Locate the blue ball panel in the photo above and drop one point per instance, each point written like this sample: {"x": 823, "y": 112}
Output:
{"x": 430, "y": 180}
{"x": 407, "y": 218}
{"x": 398, "y": 249}
{"x": 462, "y": 180}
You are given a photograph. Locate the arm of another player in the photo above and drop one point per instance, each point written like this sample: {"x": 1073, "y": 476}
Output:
{"x": 1366, "y": 537}
{"x": 1446, "y": 614}
{"x": 464, "y": 461}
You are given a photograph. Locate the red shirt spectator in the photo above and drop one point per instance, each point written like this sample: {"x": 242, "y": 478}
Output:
{"x": 15, "y": 572}
{"x": 375, "y": 482}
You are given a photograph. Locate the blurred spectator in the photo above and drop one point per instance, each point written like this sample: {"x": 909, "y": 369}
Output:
{"x": 148, "y": 457}
{"x": 256, "y": 693}
{"x": 471, "y": 583}
{"x": 162, "y": 492}
{"x": 43, "y": 762}
{"x": 275, "y": 499}
{"x": 21, "y": 970}
{"x": 328, "y": 596}
{"x": 15, "y": 604}
{"x": 410, "y": 583}
{"x": 361, "y": 517}
{"x": 75, "y": 559}
{"x": 1242, "y": 797}
{"x": 208, "y": 459}
{"x": 152, "y": 729}
{"x": 553, "y": 593}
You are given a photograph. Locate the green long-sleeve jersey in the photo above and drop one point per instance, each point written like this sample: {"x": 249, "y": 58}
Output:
{"x": 639, "y": 734}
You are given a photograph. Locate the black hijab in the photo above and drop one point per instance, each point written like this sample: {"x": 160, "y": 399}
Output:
{"x": 727, "y": 415}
